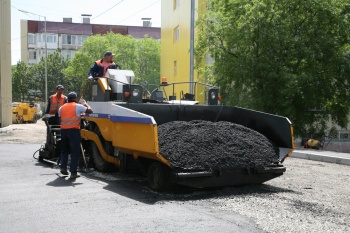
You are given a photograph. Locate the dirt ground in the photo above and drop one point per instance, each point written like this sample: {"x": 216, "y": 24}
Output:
{"x": 29, "y": 133}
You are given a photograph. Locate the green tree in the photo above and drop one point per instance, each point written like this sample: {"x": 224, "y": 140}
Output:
{"x": 284, "y": 57}
{"x": 55, "y": 66}
{"x": 21, "y": 82}
{"x": 77, "y": 72}
{"x": 148, "y": 60}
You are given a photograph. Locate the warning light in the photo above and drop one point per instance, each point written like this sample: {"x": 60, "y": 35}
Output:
{"x": 164, "y": 82}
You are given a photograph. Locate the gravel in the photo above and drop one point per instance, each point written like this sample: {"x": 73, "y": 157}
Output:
{"x": 310, "y": 197}
{"x": 202, "y": 145}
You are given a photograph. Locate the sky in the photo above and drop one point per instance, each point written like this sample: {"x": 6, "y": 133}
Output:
{"x": 115, "y": 12}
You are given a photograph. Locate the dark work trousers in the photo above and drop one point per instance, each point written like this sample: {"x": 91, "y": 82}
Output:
{"x": 70, "y": 140}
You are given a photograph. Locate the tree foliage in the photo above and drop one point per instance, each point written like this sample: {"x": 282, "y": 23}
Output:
{"x": 21, "y": 81}
{"x": 148, "y": 60}
{"x": 55, "y": 64}
{"x": 28, "y": 81}
{"x": 285, "y": 57}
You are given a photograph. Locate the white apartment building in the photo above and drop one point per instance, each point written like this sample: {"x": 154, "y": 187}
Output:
{"x": 67, "y": 37}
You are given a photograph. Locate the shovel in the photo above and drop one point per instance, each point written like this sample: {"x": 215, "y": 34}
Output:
{"x": 83, "y": 153}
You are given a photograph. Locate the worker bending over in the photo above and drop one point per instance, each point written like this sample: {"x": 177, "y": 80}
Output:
{"x": 70, "y": 118}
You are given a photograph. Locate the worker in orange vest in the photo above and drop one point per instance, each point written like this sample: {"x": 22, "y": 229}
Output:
{"x": 55, "y": 101}
{"x": 70, "y": 118}
{"x": 100, "y": 67}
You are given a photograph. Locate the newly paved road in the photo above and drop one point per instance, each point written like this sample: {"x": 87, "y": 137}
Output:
{"x": 34, "y": 198}
{"x": 312, "y": 196}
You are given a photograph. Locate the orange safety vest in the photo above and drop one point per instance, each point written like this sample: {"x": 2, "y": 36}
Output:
{"x": 68, "y": 118}
{"x": 104, "y": 65}
{"x": 55, "y": 103}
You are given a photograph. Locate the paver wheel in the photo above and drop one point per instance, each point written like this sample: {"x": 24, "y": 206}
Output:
{"x": 159, "y": 177}
{"x": 19, "y": 119}
{"x": 101, "y": 164}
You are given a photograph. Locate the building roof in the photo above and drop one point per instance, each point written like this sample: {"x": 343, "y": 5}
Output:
{"x": 92, "y": 29}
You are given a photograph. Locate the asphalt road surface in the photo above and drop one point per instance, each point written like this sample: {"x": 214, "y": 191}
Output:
{"x": 310, "y": 197}
{"x": 35, "y": 198}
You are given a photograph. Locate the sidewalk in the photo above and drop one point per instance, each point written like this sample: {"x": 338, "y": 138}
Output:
{"x": 6, "y": 129}
{"x": 323, "y": 156}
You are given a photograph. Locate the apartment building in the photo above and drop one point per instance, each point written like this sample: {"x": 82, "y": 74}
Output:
{"x": 178, "y": 17}
{"x": 68, "y": 37}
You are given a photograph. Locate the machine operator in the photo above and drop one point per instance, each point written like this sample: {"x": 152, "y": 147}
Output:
{"x": 100, "y": 67}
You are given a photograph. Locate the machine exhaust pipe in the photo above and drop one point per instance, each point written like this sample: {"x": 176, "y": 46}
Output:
{"x": 184, "y": 175}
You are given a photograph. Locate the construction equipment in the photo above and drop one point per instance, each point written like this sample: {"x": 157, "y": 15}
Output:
{"x": 122, "y": 134}
{"x": 51, "y": 150}
{"x": 313, "y": 143}
{"x": 25, "y": 113}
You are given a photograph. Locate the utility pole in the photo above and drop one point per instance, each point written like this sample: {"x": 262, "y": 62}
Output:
{"x": 192, "y": 46}
{"x": 45, "y": 65}
{"x": 5, "y": 64}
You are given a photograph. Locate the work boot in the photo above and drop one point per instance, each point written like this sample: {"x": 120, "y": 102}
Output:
{"x": 74, "y": 175}
{"x": 64, "y": 172}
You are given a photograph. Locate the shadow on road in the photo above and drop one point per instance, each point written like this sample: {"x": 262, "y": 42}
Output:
{"x": 136, "y": 187}
{"x": 61, "y": 181}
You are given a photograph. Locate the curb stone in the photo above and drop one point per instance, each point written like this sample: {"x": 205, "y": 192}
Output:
{"x": 6, "y": 129}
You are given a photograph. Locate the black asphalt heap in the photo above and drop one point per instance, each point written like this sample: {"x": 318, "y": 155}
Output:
{"x": 203, "y": 145}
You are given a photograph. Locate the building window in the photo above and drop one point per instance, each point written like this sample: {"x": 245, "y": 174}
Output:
{"x": 69, "y": 40}
{"x": 175, "y": 68}
{"x": 344, "y": 135}
{"x": 176, "y": 4}
{"x": 50, "y": 38}
{"x": 64, "y": 39}
{"x": 68, "y": 54}
{"x": 81, "y": 39}
{"x": 32, "y": 55}
{"x": 73, "y": 39}
{"x": 31, "y": 39}
{"x": 176, "y": 34}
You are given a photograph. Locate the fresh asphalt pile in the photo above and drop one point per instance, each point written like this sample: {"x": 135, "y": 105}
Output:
{"x": 203, "y": 145}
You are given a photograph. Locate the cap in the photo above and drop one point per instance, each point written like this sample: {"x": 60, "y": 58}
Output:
{"x": 109, "y": 53}
{"x": 59, "y": 87}
{"x": 72, "y": 95}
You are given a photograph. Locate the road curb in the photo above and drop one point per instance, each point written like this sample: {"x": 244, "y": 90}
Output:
{"x": 321, "y": 158}
{"x": 6, "y": 129}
